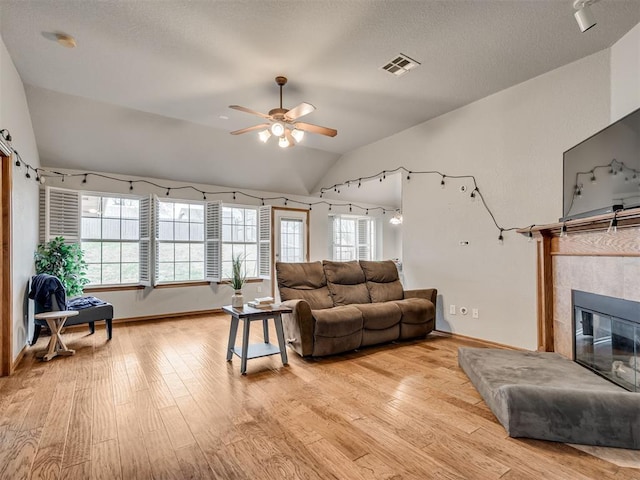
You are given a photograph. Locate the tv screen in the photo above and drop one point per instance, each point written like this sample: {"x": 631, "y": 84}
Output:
{"x": 602, "y": 173}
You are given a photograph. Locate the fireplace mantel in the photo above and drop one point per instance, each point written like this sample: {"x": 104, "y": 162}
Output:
{"x": 566, "y": 250}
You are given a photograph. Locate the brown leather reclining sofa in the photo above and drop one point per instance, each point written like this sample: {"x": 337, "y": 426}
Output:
{"x": 341, "y": 306}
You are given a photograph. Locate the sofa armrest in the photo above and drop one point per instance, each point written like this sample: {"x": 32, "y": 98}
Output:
{"x": 427, "y": 293}
{"x": 299, "y": 326}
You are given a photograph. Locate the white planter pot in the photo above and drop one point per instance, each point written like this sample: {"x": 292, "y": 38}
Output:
{"x": 237, "y": 300}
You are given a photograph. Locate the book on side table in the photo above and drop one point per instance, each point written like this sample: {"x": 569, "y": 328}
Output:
{"x": 261, "y": 302}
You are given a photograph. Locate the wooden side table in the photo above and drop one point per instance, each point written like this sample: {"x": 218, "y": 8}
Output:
{"x": 249, "y": 314}
{"x": 55, "y": 321}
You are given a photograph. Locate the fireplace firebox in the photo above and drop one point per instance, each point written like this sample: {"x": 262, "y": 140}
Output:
{"x": 607, "y": 337}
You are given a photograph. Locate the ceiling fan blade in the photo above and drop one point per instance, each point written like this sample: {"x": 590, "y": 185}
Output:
{"x": 299, "y": 111}
{"x": 287, "y": 133}
{"x": 250, "y": 129}
{"x": 308, "y": 127}
{"x": 248, "y": 110}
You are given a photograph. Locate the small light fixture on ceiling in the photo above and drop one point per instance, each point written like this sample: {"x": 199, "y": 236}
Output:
{"x": 400, "y": 65}
{"x": 65, "y": 40}
{"x": 396, "y": 219}
{"x": 583, "y": 14}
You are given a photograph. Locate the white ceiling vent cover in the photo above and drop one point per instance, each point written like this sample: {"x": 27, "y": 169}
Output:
{"x": 400, "y": 65}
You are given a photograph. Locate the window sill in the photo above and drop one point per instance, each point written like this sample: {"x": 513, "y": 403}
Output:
{"x": 112, "y": 288}
{"x": 248, "y": 280}
{"x": 120, "y": 288}
{"x": 201, "y": 283}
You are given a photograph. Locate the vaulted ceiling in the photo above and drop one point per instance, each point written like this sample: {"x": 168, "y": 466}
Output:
{"x": 146, "y": 91}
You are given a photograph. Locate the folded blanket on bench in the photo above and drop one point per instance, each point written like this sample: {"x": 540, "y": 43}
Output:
{"x": 84, "y": 302}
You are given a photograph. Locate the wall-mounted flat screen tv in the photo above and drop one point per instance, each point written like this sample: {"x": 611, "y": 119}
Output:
{"x": 602, "y": 173}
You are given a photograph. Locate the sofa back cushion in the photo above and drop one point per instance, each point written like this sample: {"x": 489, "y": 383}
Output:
{"x": 382, "y": 280}
{"x": 346, "y": 282}
{"x": 304, "y": 281}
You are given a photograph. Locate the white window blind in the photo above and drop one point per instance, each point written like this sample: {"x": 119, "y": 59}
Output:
{"x": 213, "y": 228}
{"x": 59, "y": 214}
{"x": 366, "y": 239}
{"x": 264, "y": 240}
{"x": 146, "y": 259}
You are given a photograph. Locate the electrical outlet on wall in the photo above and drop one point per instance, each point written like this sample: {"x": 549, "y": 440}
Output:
{"x": 475, "y": 313}
{"x": 452, "y": 309}
{"x": 259, "y": 288}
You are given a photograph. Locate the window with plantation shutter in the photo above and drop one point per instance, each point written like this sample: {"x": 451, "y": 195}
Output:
{"x": 353, "y": 238}
{"x": 264, "y": 242}
{"x": 59, "y": 214}
{"x": 213, "y": 250}
{"x": 111, "y": 229}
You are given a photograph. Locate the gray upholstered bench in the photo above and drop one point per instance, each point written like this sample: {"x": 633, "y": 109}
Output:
{"x": 548, "y": 397}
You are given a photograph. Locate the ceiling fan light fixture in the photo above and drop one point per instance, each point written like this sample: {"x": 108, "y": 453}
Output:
{"x": 283, "y": 142}
{"x": 277, "y": 129}
{"x": 264, "y": 135}
{"x": 298, "y": 135}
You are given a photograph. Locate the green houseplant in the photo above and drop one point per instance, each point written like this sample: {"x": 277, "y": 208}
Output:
{"x": 238, "y": 278}
{"x": 65, "y": 261}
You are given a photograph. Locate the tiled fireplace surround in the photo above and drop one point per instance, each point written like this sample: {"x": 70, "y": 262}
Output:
{"x": 587, "y": 258}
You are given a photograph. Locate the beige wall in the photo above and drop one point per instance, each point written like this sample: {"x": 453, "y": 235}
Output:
{"x": 625, "y": 74}
{"x": 14, "y": 116}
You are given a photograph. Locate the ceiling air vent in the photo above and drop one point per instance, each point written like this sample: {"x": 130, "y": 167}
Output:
{"x": 400, "y": 65}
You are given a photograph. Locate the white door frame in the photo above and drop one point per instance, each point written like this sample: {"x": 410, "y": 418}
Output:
{"x": 274, "y": 230}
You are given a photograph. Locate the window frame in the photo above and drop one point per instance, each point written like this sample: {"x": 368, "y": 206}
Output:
{"x": 158, "y": 242}
{"x": 256, "y": 242}
{"x": 138, "y": 241}
{"x": 372, "y": 246}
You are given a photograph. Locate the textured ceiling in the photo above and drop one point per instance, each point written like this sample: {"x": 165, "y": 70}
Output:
{"x": 152, "y": 78}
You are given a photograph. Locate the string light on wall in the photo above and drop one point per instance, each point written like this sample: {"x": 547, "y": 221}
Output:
{"x": 43, "y": 173}
{"x": 397, "y": 217}
{"x": 444, "y": 178}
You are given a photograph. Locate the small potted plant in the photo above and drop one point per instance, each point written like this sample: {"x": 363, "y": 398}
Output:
{"x": 238, "y": 277}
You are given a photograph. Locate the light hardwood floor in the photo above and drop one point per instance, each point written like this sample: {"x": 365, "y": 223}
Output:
{"x": 159, "y": 401}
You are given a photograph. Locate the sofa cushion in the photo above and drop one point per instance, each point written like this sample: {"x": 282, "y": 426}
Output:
{"x": 382, "y": 280}
{"x": 376, "y": 337}
{"x": 379, "y": 316}
{"x": 416, "y": 310}
{"x": 345, "y": 273}
{"x": 304, "y": 281}
{"x": 337, "y": 321}
{"x": 346, "y": 282}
